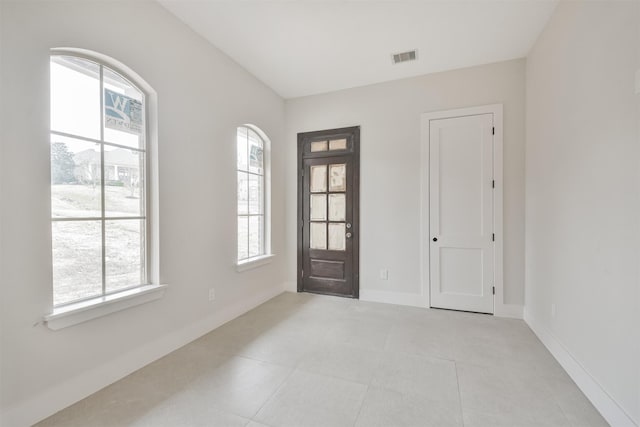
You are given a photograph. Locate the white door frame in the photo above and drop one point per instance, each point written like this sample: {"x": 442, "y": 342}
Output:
{"x": 496, "y": 110}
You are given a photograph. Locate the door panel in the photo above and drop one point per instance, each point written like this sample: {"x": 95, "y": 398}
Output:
{"x": 321, "y": 268}
{"x": 461, "y": 213}
{"x": 328, "y": 212}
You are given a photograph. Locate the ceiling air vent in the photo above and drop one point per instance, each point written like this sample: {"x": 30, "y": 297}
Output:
{"x": 410, "y": 55}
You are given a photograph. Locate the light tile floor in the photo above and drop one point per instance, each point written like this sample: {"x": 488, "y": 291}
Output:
{"x": 308, "y": 360}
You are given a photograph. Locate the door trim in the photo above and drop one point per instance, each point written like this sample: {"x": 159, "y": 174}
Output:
{"x": 425, "y": 119}
{"x": 330, "y": 134}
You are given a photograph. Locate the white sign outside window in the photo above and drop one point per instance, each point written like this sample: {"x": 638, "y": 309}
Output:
{"x": 122, "y": 112}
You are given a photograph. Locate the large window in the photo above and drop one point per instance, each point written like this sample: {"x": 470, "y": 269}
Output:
{"x": 252, "y": 165}
{"x": 98, "y": 180}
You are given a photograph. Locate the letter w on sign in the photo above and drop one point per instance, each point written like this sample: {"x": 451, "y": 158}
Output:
{"x": 122, "y": 112}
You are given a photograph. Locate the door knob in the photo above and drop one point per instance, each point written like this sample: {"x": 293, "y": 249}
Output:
{"x": 435, "y": 239}
{"x": 348, "y": 235}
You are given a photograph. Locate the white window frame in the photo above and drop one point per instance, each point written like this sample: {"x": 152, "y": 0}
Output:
{"x": 78, "y": 311}
{"x": 267, "y": 256}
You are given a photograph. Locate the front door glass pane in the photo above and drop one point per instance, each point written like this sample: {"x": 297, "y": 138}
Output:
{"x": 318, "y": 237}
{"x": 338, "y": 177}
{"x": 337, "y": 207}
{"x": 318, "y": 179}
{"x": 318, "y": 211}
{"x": 337, "y": 238}
{"x": 318, "y": 146}
{"x": 338, "y": 144}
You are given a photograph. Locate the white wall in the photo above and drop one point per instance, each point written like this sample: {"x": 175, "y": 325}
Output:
{"x": 203, "y": 96}
{"x": 389, "y": 116}
{"x": 583, "y": 205}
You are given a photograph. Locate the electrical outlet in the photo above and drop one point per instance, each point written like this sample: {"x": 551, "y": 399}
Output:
{"x": 212, "y": 294}
{"x": 384, "y": 274}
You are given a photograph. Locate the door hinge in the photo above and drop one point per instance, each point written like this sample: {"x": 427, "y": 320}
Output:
{"x": 302, "y": 172}
{"x": 302, "y": 272}
{"x": 494, "y": 290}
{"x": 493, "y": 184}
{"x": 493, "y": 237}
{"x": 493, "y": 131}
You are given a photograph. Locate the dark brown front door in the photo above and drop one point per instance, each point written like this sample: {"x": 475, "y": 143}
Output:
{"x": 328, "y": 201}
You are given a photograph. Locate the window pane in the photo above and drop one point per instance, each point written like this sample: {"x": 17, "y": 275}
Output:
{"x": 256, "y": 236}
{"x": 242, "y": 149}
{"x": 243, "y": 237}
{"x": 243, "y": 193}
{"x": 318, "y": 235}
{"x": 337, "y": 238}
{"x": 318, "y": 207}
{"x": 256, "y": 153}
{"x": 318, "y": 178}
{"x": 256, "y": 197}
{"x": 337, "y": 177}
{"x": 116, "y": 82}
{"x": 77, "y": 260}
{"x": 124, "y": 113}
{"x": 123, "y": 182}
{"x": 75, "y": 178}
{"x": 318, "y": 146}
{"x": 337, "y": 207}
{"x": 338, "y": 144}
{"x": 124, "y": 247}
{"x": 75, "y": 96}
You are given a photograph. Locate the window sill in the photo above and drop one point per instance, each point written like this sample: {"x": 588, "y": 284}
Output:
{"x": 254, "y": 262}
{"x": 72, "y": 314}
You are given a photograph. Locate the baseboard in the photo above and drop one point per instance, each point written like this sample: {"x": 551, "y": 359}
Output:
{"x": 414, "y": 300}
{"x": 399, "y": 298}
{"x": 513, "y": 311}
{"x": 56, "y": 398}
{"x": 291, "y": 286}
{"x": 603, "y": 402}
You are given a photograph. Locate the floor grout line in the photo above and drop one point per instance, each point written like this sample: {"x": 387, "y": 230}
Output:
{"x": 364, "y": 397}
{"x": 253, "y": 417}
{"x": 455, "y": 364}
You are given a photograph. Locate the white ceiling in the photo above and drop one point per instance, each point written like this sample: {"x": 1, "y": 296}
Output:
{"x": 304, "y": 47}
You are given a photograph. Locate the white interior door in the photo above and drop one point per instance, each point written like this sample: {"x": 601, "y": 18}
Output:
{"x": 461, "y": 213}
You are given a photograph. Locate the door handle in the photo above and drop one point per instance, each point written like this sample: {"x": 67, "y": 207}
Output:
{"x": 435, "y": 239}
{"x": 348, "y": 235}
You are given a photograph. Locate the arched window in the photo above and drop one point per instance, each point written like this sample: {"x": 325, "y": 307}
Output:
{"x": 253, "y": 194}
{"x": 99, "y": 178}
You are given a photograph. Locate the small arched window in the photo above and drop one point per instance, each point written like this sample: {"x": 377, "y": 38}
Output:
{"x": 99, "y": 179}
{"x": 253, "y": 194}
